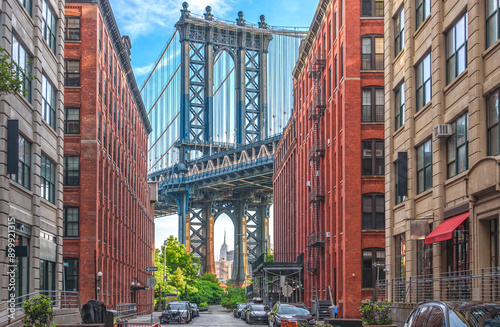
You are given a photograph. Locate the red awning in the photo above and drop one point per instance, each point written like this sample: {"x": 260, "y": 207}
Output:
{"x": 445, "y": 231}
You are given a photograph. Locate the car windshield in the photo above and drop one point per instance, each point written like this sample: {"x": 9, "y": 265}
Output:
{"x": 259, "y": 308}
{"x": 176, "y": 306}
{"x": 291, "y": 310}
{"x": 241, "y": 305}
{"x": 475, "y": 316}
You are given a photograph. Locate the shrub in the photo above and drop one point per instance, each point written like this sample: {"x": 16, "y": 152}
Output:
{"x": 203, "y": 304}
{"x": 376, "y": 313}
{"x": 39, "y": 312}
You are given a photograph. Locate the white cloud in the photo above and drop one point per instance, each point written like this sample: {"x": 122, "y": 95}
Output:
{"x": 139, "y": 17}
{"x": 139, "y": 71}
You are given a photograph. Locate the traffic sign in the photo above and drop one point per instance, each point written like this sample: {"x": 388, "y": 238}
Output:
{"x": 151, "y": 268}
{"x": 151, "y": 282}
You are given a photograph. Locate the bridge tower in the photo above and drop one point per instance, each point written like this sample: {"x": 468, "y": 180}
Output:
{"x": 202, "y": 38}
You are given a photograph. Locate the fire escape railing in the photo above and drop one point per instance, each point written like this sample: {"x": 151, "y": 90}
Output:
{"x": 317, "y": 151}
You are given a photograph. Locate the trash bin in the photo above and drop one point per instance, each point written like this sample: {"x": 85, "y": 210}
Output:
{"x": 111, "y": 316}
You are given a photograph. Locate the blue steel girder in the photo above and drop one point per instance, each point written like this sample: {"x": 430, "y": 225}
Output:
{"x": 197, "y": 85}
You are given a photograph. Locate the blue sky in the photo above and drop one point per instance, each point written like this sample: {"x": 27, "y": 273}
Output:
{"x": 150, "y": 24}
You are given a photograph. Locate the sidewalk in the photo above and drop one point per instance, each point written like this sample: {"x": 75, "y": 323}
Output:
{"x": 147, "y": 318}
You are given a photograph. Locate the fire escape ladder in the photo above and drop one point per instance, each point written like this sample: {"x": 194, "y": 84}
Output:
{"x": 317, "y": 192}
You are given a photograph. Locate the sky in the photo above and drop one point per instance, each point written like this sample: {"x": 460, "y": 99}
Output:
{"x": 150, "y": 24}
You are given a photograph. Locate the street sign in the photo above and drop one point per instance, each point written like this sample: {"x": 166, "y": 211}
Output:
{"x": 151, "y": 268}
{"x": 287, "y": 290}
{"x": 151, "y": 282}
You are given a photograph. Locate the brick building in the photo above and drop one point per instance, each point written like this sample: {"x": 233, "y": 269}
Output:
{"x": 31, "y": 135}
{"x": 108, "y": 217}
{"x": 329, "y": 167}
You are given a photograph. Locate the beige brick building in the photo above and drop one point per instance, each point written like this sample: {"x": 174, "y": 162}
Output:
{"x": 442, "y": 85}
{"x": 31, "y": 201}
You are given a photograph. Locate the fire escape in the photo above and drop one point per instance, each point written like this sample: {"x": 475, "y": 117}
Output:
{"x": 317, "y": 192}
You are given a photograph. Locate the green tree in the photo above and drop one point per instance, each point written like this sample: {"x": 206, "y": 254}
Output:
{"x": 208, "y": 290}
{"x": 232, "y": 296}
{"x": 39, "y": 312}
{"x": 177, "y": 257}
{"x": 11, "y": 75}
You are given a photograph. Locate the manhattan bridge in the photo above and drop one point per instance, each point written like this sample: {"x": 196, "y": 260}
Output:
{"x": 218, "y": 99}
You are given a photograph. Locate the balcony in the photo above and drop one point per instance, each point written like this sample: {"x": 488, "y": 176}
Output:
{"x": 468, "y": 285}
{"x": 317, "y": 194}
{"x": 317, "y": 150}
{"x": 316, "y": 239}
{"x": 317, "y": 108}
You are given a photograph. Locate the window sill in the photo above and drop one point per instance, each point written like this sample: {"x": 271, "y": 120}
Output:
{"x": 372, "y": 176}
{"x": 398, "y": 57}
{"x": 50, "y": 128}
{"x": 423, "y": 194}
{"x": 72, "y": 87}
{"x": 20, "y": 188}
{"x": 422, "y": 110}
{"x": 75, "y": 238}
{"x": 372, "y": 123}
{"x": 421, "y": 27}
{"x": 72, "y": 41}
{"x": 398, "y": 131}
{"x": 48, "y": 203}
{"x": 455, "y": 82}
{"x": 21, "y": 98}
{"x": 371, "y": 71}
{"x": 399, "y": 205}
{"x": 372, "y": 18}
{"x": 492, "y": 48}
{"x": 72, "y": 135}
{"x": 71, "y": 186}
{"x": 455, "y": 178}
{"x": 373, "y": 230}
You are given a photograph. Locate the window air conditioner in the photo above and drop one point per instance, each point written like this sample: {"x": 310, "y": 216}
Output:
{"x": 443, "y": 130}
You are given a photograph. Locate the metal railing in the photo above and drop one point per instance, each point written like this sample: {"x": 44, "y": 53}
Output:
{"x": 469, "y": 285}
{"x": 316, "y": 239}
{"x": 12, "y": 309}
{"x": 317, "y": 193}
{"x": 126, "y": 309}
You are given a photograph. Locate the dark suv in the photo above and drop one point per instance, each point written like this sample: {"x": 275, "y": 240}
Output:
{"x": 290, "y": 311}
{"x": 455, "y": 314}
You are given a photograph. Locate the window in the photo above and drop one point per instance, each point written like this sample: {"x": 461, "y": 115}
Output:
{"x": 424, "y": 166}
{"x": 458, "y": 146}
{"x": 342, "y": 61}
{"x": 23, "y": 175}
{"x": 341, "y": 13}
{"x": 424, "y": 82}
{"x": 494, "y": 232}
{"x": 423, "y": 11}
{"x": 71, "y": 274}
{"x": 48, "y": 179}
{"x": 335, "y": 77}
{"x": 372, "y": 104}
{"x": 22, "y": 264}
{"x": 373, "y": 267}
{"x": 372, "y": 8}
{"x": 493, "y": 116}
{"x": 492, "y": 22}
{"x": 372, "y": 53}
{"x": 373, "y": 157}
{"x": 71, "y": 221}
{"x": 27, "y": 5}
{"x": 71, "y": 170}
{"x": 48, "y": 102}
{"x": 335, "y": 24}
{"x": 400, "y": 266}
{"x": 399, "y": 198}
{"x": 99, "y": 123}
{"x": 399, "y": 100}
{"x": 49, "y": 26}
{"x": 456, "y": 49}
{"x": 99, "y": 77}
{"x": 23, "y": 65}
{"x": 72, "y": 124}
{"x": 399, "y": 27}
{"x": 373, "y": 211}
{"x": 72, "y": 73}
{"x": 47, "y": 276}
{"x": 72, "y": 32}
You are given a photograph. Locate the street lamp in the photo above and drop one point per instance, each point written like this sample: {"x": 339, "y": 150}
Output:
{"x": 97, "y": 282}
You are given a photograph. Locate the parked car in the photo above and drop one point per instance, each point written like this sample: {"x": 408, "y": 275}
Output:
{"x": 237, "y": 310}
{"x": 454, "y": 314}
{"x": 195, "y": 312}
{"x": 244, "y": 311}
{"x": 176, "y": 312}
{"x": 257, "y": 313}
{"x": 290, "y": 311}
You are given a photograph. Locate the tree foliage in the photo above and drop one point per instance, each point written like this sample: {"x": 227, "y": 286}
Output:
{"x": 39, "y": 312}
{"x": 11, "y": 75}
{"x": 232, "y": 296}
{"x": 376, "y": 313}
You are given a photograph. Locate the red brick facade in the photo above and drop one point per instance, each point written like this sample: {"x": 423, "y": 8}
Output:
{"x": 336, "y": 26}
{"x": 116, "y": 228}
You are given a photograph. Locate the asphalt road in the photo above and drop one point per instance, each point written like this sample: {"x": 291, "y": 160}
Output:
{"x": 217, "y": 317}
